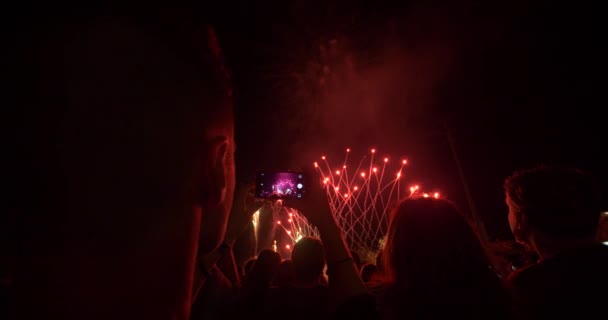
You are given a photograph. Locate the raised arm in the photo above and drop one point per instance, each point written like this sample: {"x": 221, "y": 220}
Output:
{"x": 222, "y": 257}
{"x": 344, "y": 279}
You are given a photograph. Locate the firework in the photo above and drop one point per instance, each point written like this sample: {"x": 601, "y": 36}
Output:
{"x": 293, "y": 223}
{"x": 361, "y": 195}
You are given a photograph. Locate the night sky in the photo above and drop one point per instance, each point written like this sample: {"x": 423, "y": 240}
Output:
{"x": 516, "y": 84}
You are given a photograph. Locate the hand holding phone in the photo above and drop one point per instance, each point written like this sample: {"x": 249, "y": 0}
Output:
{"x": 244, "y": 205}
{"x": 315, "y": 207}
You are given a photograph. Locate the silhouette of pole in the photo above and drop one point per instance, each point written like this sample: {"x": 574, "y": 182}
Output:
{"x": 472, "y": 208}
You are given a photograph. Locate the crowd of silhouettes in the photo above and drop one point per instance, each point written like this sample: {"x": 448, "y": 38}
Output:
{"x": 133, "y": 207}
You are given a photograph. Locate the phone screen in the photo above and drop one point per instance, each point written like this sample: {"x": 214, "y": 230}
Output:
{"x": 279, "y": 185}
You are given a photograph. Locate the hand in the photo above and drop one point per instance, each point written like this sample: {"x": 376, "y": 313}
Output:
{"x": 314, "y": 205}
{"x": 244, "y": 206}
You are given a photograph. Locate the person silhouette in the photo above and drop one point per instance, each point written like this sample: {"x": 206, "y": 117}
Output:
{"x": 128, "y": 148}
{"x": 555, "y": 212}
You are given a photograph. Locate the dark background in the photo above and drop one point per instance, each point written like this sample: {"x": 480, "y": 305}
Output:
{"x": 516, "y": 83}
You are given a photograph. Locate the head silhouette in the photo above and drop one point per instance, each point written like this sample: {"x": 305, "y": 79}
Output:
{"x": 429, "y": 241}
{"x": 435, "y": 265}
{"x": 128, "y": 148}
{"x": 558, "y": 202}
{"x": 308, "y": 258}
{"x": 264, "y": 269}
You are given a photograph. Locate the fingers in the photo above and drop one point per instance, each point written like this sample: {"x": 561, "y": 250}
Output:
{"x": 247, "y": 191}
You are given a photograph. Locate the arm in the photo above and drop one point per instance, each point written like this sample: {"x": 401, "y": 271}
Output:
{"x": 344, "y": 279}
{"x": 227, "y": 264}
{"x": 223, "y": 257}
{"x": 203, "y": 270}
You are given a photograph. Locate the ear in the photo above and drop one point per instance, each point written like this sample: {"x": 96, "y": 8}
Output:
{"x": 219, "y": 179}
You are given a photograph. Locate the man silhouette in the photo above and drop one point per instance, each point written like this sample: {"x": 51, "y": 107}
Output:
{"x": 128, "y": 153}
{"x": 555, "y": 211}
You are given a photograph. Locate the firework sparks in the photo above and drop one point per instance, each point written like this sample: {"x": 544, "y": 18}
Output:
{"x": 361, "y": 205}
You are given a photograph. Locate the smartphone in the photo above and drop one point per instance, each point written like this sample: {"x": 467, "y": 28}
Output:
{"x": 279, "y": 185}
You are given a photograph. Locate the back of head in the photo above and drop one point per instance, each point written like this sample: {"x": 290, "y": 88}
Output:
{"x": 265, "y": 268}
{"x": 435, "y": 265}
{"x": 430, "y": 241}
{"x": 308, "y": 259}
{"x": 559, "y": 201}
